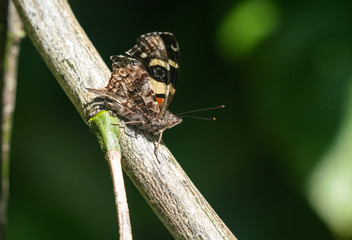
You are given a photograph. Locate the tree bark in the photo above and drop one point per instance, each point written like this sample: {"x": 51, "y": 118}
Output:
{"x": 76, "y": 65}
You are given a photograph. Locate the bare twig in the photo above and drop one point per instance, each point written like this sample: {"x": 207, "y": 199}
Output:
{"x": 3, "y": 37}
{"x": 114, "y": 159}
{"x": 77, "y": 66}
{"x": 103, "y": 125}
{"x": 9, "y": 81}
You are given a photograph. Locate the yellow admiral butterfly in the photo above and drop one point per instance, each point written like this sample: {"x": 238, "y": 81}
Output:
{"x": 143, "y": 83}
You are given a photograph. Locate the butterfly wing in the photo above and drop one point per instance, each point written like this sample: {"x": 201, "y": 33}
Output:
{"x": 158, "y": 52}
{"x": 129, "y": 92}
{"x": 172, "y": 50}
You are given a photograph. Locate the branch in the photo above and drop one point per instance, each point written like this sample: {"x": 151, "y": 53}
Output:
{"x": 11, "y": 36}
{"x": 104, "y": 126}
{"x": 3, "y": 179}
{"x": 77, "y": 66}
{"x": 114, "y": 159}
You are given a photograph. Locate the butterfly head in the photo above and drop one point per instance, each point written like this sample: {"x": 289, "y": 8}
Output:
{"x": 169, "y": 121}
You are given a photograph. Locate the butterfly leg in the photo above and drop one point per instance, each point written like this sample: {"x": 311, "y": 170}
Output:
{"x": 123, "y": 126}
{"x": 157, "y": 145}
{"x": 135, "y": 122}
{"x": 126, "y": 123}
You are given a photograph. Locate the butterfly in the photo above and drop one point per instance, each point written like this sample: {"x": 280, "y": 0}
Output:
{"x": 143, "y": 83}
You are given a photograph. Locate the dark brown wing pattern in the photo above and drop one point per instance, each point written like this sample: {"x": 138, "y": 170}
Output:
{"x": 141, "y": 86}
{"x": 129, "y": 93}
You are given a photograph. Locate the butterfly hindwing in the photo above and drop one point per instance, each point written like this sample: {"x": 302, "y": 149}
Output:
{"x": 129, "y": 92}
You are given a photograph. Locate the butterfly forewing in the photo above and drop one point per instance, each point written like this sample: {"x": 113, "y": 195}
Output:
{"x": 159, "y": 54}
{"x": 172, "y": 50}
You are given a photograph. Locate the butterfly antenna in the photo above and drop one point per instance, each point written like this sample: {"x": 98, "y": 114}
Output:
{"x": 200, "y": 110}
{"x": 202, "y": 118}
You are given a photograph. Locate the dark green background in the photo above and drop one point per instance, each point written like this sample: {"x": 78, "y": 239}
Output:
{"x": 284, "y": 102}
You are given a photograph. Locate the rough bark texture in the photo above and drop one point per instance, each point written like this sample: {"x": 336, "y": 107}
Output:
{"x": 66, "y": 49}
{"x": 170, "y": 192}
{"x": 76, "y": 65}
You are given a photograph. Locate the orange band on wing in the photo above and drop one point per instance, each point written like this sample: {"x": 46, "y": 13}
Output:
{"x": 160, "y": 101}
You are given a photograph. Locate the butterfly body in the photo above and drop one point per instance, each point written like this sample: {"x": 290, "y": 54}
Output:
{"x": 142, "y": 84}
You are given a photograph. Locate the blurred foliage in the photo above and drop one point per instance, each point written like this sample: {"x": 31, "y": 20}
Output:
{"x": 275, "y": 165}
{"x": 247, "y": 25}
{"x": 330, "y": 185}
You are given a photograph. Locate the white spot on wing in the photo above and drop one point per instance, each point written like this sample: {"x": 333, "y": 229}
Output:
{"x": 175, "y": 49}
